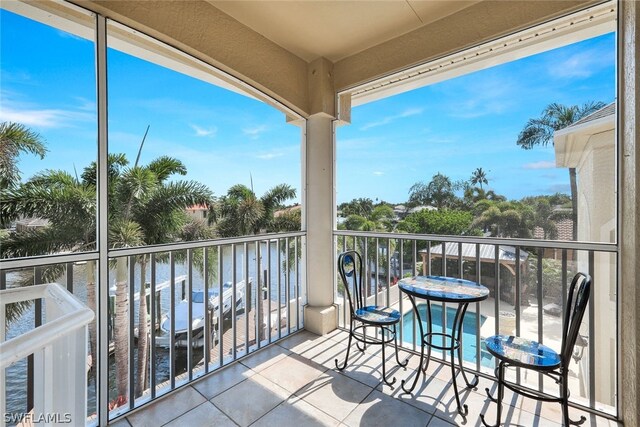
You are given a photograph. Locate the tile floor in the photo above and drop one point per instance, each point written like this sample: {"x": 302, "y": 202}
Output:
{"x": 295, "y": 383}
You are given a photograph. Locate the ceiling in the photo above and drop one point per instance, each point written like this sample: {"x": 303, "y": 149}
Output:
{"x": 336, "y": 29}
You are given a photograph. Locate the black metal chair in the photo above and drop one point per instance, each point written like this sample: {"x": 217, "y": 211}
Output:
{"x": 518, "y": 352}
{"x": 362, "y": 315}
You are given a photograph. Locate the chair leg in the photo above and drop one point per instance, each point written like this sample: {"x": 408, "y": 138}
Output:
{"x": 384, "y": 370}
{"x": 395, "y": 342}
{"x": 364, "y": 345}
{"x": 564, "y": 390}
{"x": 344, "y": 365}
{"x": 499, "y": 399}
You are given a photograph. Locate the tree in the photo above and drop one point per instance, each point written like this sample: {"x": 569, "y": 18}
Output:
{"x": 445, "y": 222}
{"x": 360, "y": 206}
{"x": 144, "y": 208}
{"x": 149, "y": 211}
{"x": 439, "y": 192}
{"x": 240, "y": 212}
{"x": 504, "y": 218}
{"x": 539, "y": 131}
{"x": 479, "y": 177}
{"x": 14, "y": 140}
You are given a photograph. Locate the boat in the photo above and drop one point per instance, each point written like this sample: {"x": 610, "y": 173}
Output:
{"x": 198, "y": 315}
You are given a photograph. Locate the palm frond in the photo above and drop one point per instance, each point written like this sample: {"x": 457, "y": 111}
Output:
{"x": 135, "y": 186}
{"x": 60, "y": 205}
{"x": 240, "y": 192}
{"x": 124, "y": 234}
{"x": 115, "y": 161}
{"x": 52, "y": 178}
{"x": 15, "y": 139}
{"x": 40, "y": 241}
{"x": 536, "y": 132}
{"x": 178, "y": 195}
{"x": 166, "y": 166}
{"x": 277, "y": 195}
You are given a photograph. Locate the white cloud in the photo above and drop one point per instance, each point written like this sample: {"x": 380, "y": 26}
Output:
{"x": 254, "y": 132}
{"x": 86, "y": 104}
{"x": 543, "y": 164}
{"x": 269, "y": 156}
{"x": 581, "y": 64}
{"x": 378, "y": 173}
{"x": 386, "y": 120}
{"x": 44, "y": 118}
{"x": 211, "y": 132}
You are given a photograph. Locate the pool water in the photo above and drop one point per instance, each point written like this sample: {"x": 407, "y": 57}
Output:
{"x": 468, "y": 329}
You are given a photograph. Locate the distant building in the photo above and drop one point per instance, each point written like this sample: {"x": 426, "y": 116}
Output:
{"x": 290, "y": 209}
{"x": 198, "y": 211}
{"x": 26, "y": 224}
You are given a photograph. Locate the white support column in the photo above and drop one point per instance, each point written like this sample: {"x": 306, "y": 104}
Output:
{"x": 320, "y": 312}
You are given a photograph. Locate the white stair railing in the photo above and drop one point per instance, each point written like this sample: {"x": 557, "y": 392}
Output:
{"x": 59, "y": 347}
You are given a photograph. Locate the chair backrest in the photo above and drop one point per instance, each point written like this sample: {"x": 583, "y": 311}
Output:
{"x": 579, "y": 293}
{"x": 350, "y": 268}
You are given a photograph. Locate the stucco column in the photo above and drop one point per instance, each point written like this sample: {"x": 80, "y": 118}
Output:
{"x": 629, "y": 292}
{"x": 320, "y": 313}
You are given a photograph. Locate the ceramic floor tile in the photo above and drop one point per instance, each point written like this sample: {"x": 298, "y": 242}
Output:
{"x": 301, "y": 341}
{"x": 219, "y": 381}
{"x": 120, "y": 423}
{"x": 379, "y": 409}
{"x": 205, "y": 415}
{"x": 167, "y": 409}
{"x": 325, "y": 396}
{"x": 249, "y": 400}
{"x": 265, "y": 357}
{"x": 334, "y": 394}
{"x": 281, "y": 372}
{"x": 296, "y": 412}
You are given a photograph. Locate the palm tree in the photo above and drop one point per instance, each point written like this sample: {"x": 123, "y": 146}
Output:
{"x": 439, "y": 192}
{"x": 143, "y": 209}
{"x": 149, "y": 211}
{"x": 15, "y": 139}
{"x": 241, "y": 212}
{"x": 479, "y": 177}
{"x": 539, "y": 131}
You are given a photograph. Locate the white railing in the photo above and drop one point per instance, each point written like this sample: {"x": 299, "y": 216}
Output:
{"x": 59, "y": 349}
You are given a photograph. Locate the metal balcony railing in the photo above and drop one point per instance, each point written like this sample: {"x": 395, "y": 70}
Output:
{"x": 528, "y": 280}
{"x": 57, "y": 349}
{"x": 207, "y": 303}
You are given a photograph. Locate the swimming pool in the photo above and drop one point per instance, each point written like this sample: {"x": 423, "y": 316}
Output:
{"x": 468, "y": 329}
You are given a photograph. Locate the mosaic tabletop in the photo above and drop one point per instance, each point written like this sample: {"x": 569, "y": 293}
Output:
{"x": 440, "y": 288}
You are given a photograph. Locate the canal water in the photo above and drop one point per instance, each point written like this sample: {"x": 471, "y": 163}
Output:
{"x": 16, "y": 375}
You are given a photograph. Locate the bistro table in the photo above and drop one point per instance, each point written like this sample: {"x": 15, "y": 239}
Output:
{"x": 444, "y": 290}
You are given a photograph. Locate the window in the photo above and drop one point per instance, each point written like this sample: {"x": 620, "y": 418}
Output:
{"x": 525, "y": 149}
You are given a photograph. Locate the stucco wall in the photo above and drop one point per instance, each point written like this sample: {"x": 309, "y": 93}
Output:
{"x": 205, "y": 32}
{"x": 198, "y": 28}
{"x": 596, "y": 223}
{"x": 479, "y": 23}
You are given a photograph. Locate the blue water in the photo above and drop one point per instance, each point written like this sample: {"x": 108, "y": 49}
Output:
{"x": 468, "y": 329}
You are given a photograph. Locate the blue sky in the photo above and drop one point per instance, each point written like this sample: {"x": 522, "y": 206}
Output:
{"x": 223, "y": 138}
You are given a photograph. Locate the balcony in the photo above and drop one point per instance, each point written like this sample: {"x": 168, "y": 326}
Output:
{"x": 226, "y": 326}
{"x": 294, "y": 382}
{"x": 260, "y": 335}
